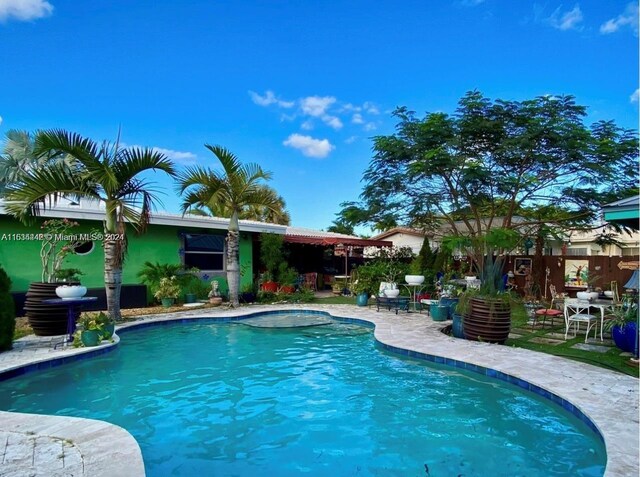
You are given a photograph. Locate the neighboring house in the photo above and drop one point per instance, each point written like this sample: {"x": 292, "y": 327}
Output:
{"x": 404, "y": 237}
{"x": 192, "y": 241}
{"x": 576, "y": 243}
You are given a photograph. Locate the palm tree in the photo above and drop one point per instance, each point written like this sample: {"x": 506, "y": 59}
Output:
{"x": 235, "y": 189}
{"x": 105, "y": 172}
{"x": 260, "y": 213}
{"x": 18, "y": 157}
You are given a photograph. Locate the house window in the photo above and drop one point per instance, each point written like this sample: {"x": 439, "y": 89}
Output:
{"x": 577, "y": 251}
{"x": 631, "y": 251}
{"x": 205, "y": 252}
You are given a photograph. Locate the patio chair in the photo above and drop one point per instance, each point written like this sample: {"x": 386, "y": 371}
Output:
{"x": 310, "y": 281}
{"x": 576, "y": 312}
{"x": 544, "y": 313}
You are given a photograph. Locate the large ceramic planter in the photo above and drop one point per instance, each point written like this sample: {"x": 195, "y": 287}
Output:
{"x": 488, "y": 320}
{"x": 457, "y": 328}
{"x": 109, "y": 330}
{"x": 625, "y": 337}
{"x": 45, "y": 320}
{"x": 362, "y": 299}
{"x": 190, "y": 298}
{"x": 90, "y": 337}
{"x": 167, "y": 302}
{"x": 450, "y": 303}
{"x": 438, "y": 312}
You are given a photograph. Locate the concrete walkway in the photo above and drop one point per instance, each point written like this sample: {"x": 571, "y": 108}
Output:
{"x": 62, "y": 446}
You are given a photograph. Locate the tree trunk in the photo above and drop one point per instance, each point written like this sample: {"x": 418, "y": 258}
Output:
{"x": 112, "y": 278}
{"x": 233, "y": 265}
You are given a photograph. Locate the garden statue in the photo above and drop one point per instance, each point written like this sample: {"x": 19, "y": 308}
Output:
{"x": 214, "y": 294}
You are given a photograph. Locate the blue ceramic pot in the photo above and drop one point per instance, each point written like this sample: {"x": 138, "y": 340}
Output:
{"x": 450, "y": 303}
{"x": 458, "y": 326}
{"x": 625, "y": 337}
{"x": 438, "y": 312}
{"x": 90, "y": 337}
{"x": 362, "y": 299}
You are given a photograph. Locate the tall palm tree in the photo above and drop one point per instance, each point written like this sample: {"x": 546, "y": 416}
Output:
{"x": 105, "y": 172}
{"x": 260, "y": 213}
{"x": 18, "y": 157}
{"x": 237, "y": 187}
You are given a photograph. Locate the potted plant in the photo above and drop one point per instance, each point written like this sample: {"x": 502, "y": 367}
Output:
{"x": 622, "y": 324}
{"x": 363, "y": 285}
{"x": 168, "y": 291}
{"x": 191, "y": 285}
{"x": 271, "y": 256}
{"x": 415, "y": 276}
{"x": 487, "y": 310}
{"x": 248, "y": 293}
{"x": 91, "y": 331}
{"x": 70, "y": 277}
{"x": 287, "y": 277}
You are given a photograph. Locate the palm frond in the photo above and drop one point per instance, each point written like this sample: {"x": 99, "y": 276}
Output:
{"x": 130, "y": 162}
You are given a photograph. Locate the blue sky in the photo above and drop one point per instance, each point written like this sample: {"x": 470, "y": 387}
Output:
{"x": 300, "y": 87}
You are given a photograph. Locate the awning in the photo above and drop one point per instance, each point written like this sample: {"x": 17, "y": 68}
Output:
{"x": 328, "y": 241}
{"x": 625, "y": 212}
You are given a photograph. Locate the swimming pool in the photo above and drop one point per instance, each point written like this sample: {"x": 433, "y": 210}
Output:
{"x": 321, "y": 400}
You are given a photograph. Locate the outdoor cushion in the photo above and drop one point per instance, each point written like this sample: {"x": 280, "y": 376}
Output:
{"x": 548, "y": 312}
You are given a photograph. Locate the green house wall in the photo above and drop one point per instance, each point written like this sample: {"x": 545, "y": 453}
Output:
{"x": 20, "y": 256}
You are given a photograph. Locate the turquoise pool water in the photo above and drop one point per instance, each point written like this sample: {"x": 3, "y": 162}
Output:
{"x": 228, "y": 399}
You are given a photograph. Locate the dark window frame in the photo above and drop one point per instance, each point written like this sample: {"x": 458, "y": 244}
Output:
{"x": 201, "y": 253}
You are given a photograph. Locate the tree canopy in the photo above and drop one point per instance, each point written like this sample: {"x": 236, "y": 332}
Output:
{"x": 511, "y": 164}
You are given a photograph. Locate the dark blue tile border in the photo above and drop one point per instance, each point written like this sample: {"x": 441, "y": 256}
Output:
{"x": 491, "y": 373}
{"x": 507, "y": 378}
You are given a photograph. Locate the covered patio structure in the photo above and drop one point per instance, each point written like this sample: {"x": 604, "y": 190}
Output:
{"x": 326, "y": 253}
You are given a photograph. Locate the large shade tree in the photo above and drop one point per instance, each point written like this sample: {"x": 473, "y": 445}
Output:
{"x": 235, "y": 188}
{"x": 107, "y": 173}
{"x": 531, "y": 166}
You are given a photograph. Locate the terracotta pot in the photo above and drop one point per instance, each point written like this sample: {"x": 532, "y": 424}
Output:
{"x": 270, "y": 287}
{"x": 216, "y": 300}
{"x": 488, "y": 320}
{"x": 288, "y": 289}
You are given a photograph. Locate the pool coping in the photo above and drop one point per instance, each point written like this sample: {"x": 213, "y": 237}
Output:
{"x": 605, "y": 400}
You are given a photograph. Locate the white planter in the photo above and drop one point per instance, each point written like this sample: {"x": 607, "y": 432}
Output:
{"x": 391, "y": 292}
{"x": 69, "y": 292}
{"x": 583, "y": 295}
{"x": 608, "y": 293}
{"x": 414, "y": 279}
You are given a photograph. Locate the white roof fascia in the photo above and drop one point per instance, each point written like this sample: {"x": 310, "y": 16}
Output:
{"x": 160, "y": 218}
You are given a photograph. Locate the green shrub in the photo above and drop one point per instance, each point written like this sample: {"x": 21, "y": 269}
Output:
{"x": 7, "y": 312}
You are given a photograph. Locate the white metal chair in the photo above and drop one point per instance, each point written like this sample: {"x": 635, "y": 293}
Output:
{"x": 576, "y": 312}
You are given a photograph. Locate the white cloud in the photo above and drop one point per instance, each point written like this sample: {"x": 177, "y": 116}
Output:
{"x": 351, "y": 139}
{"x": 307, "y": 125}
{"x": 357, "y": 119}
{"x": 24, "y": 10}
{"x": 471, "y": 3}
{"x": 316, "y": 106}
{"x": 0, "y": 119}
{"x": 369, "y": 127}
{"x": 268, "y": 99}
{"x": 178, "y": 157}
{"x": 634, "y": 98}
{"x": 628, "y": 18}
{"x": 370, "y": 108}
{"x": 332, "y": 121}
{"x": 566, "y": 21}
{"x": 309, "y": 146}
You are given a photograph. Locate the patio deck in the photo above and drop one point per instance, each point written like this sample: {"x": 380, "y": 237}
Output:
{"x": 33, "y": 445}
